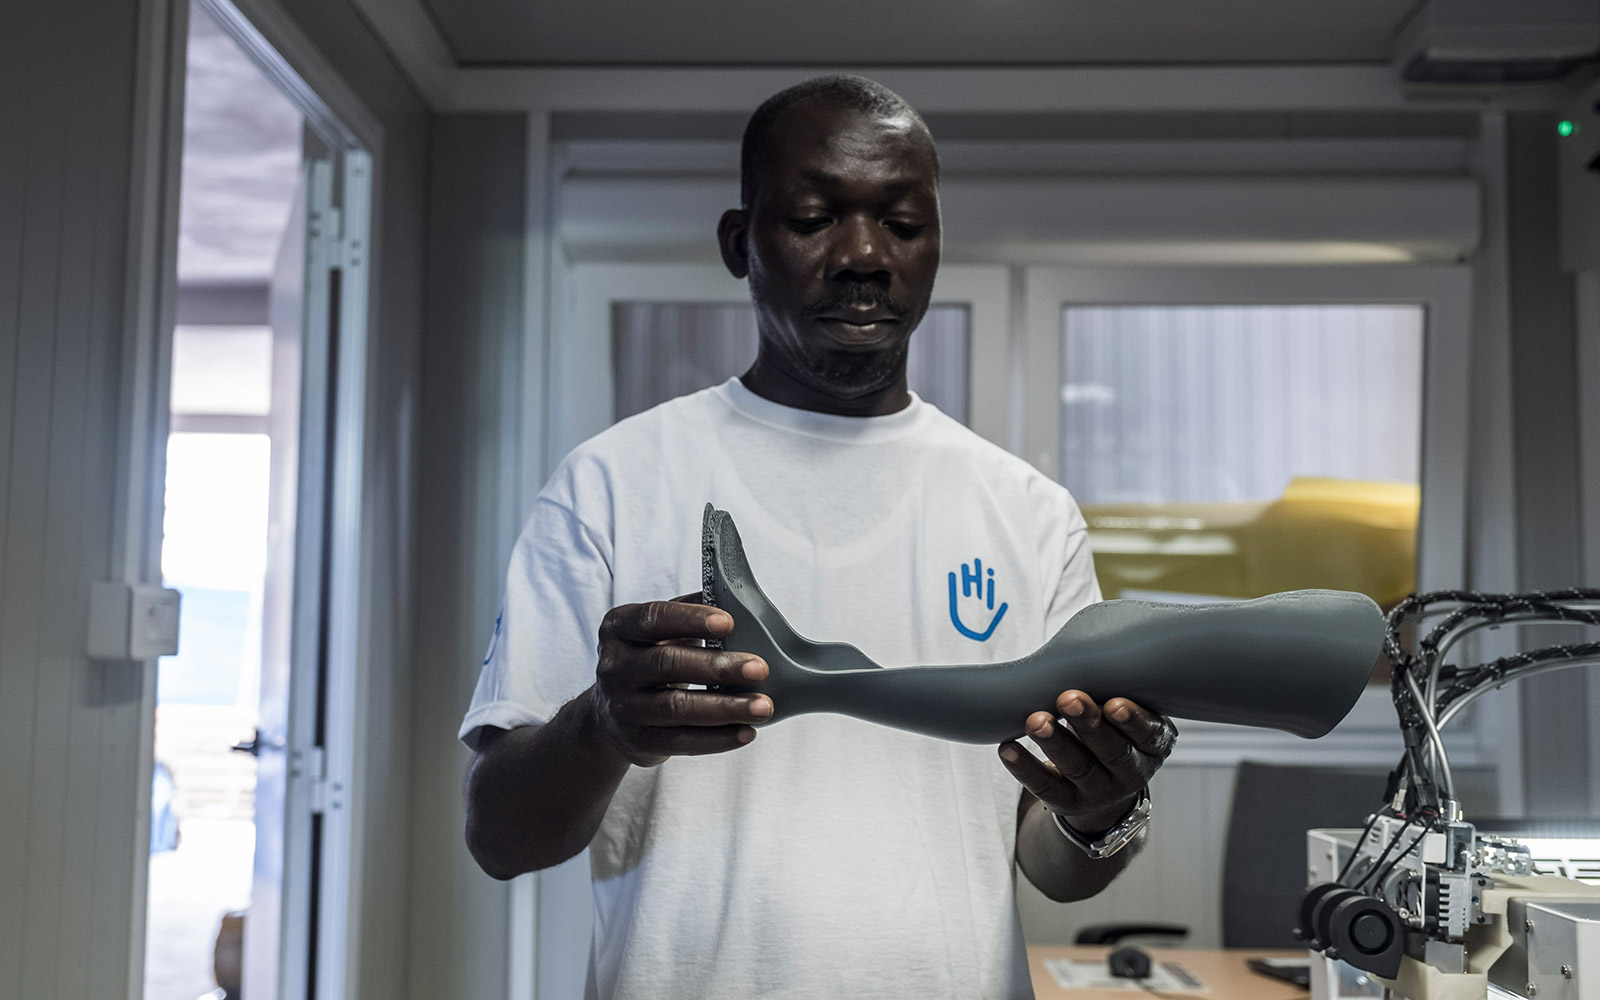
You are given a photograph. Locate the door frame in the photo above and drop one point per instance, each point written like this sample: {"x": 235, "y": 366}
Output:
{"x": 275, "y": 42}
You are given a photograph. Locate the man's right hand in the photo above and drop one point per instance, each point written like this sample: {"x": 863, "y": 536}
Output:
{"x": 648, "y": 652}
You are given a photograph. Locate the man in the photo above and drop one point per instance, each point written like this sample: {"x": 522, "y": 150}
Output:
{"x": 821, "y": 857}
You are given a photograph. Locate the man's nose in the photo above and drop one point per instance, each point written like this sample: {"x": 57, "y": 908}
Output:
{"x": 859, "y": 250}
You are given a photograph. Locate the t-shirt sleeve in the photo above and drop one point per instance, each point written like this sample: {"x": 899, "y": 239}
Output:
{"x": 1070, "y": 565}
{"x": 542, "y": 653}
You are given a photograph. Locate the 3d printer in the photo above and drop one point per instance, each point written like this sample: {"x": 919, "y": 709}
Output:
{"x": 1419, "y": 898}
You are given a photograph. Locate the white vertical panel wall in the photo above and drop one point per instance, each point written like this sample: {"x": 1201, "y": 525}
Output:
{"x": 470, "y": 422}
{"x": 69, "y": 728}
{"x": 1176, "y": 878}
{"x": 1559, "y": 747}
{"x": 71, "y": 844}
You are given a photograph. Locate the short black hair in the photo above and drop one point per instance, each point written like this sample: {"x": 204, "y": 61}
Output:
{"x": 857, "y": 93}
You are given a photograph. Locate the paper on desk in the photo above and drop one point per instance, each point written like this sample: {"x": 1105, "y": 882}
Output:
{"x": 1074, "y": 974}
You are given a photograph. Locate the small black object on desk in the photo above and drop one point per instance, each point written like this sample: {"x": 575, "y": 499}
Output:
{"x": 1129, "y": 962}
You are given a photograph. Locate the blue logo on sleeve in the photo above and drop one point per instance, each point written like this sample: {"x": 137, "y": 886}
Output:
{"x": 975, "y": 583}
{"x": 494, "y": 640}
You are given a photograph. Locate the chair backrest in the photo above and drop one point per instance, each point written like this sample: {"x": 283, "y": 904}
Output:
{"x": 1265, "y": 868}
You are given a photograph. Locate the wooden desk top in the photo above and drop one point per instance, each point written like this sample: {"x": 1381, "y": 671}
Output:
{"x": 1223, "y": 970}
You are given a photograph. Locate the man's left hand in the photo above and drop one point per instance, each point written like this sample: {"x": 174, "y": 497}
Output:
{"x": 1094, "y": 771}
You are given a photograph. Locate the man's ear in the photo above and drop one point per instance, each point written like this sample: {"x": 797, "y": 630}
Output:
{"x": 732, "y": 232}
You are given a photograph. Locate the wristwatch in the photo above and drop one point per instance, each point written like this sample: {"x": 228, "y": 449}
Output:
{"x": 1114, "y": 839}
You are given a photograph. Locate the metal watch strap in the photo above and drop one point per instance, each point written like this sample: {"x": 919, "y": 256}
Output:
{"x": 1114, "y": 839}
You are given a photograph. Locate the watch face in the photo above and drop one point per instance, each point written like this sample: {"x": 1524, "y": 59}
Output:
{"x": 1114, "y": 839}
{"x": 1124, "y": 834}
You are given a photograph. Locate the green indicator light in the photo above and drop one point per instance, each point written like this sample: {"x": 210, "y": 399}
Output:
{"x": 1566, "y": 128}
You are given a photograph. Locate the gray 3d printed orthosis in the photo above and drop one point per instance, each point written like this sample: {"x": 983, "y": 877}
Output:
{"x": 1295, "y": 661}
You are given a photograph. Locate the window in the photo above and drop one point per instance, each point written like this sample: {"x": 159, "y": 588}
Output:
{"x": 1233, "y": 451}
{"x": 664, "y": 349}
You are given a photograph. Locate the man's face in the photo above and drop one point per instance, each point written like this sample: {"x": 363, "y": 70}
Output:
{"x": 841, "y": 245}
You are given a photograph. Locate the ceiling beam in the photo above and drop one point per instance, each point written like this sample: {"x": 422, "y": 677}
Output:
{"x": 413, "y": 38}
{"x": 417, "y": 42}
{"x": 1178, "y": 88}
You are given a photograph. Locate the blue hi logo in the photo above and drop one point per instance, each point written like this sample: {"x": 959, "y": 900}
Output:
{"x": 975, "y": 583}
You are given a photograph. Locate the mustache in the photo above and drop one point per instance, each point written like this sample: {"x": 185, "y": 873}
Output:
{"x": 855, "y": 295}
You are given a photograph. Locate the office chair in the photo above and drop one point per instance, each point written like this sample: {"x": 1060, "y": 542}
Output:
{"x": 1264, "y": 868}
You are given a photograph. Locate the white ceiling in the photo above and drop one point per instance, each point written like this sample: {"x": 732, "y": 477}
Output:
{"x": 241, "y": 161}
{"x": 884, "y": 33}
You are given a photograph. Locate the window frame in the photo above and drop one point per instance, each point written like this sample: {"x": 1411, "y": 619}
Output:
{"x": 581, "y": 400}
{"x": 1369, "y": 735}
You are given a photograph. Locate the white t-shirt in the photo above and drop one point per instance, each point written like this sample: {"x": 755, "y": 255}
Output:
{"x": 829, "y": 857}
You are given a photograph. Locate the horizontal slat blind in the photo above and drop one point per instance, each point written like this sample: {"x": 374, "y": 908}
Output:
{"x": 660, "y": 350}
{"x": 1162, "y": 404}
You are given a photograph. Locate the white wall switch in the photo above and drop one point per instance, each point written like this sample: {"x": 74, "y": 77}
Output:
{"x": 132, "y": 621}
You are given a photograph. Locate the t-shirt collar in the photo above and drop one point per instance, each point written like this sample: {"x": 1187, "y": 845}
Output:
{"x": 833, "y": 426}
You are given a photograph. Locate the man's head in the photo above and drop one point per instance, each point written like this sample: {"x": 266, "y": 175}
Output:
{"x": 839, "y": 233}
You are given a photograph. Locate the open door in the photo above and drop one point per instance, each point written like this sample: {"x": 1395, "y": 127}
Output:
{"x": 247, "y": 889}
{"x": 264, "y": 956}
{"x": 296, "y": 888}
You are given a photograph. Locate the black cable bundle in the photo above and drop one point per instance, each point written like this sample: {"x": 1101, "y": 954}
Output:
{"x": 1428, "y": 692}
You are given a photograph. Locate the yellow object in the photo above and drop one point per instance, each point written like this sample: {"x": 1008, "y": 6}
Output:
{"x": 1338, "y": 534}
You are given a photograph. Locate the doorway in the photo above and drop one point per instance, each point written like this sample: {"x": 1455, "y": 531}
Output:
{"x": 248, "y": 842}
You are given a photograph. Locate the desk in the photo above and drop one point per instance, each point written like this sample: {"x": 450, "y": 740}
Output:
{"x": 1223, "y": 970}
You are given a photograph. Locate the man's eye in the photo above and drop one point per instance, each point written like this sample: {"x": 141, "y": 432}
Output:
{"x": 809, "y": 224}
{"x": 905, "y": 230}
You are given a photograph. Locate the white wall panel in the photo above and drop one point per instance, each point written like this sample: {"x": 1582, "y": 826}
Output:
{"x": 71, "y": 750}
{"x": 985, "y": 89}
{"x": 1177, "y": 878}
{"x": 69, "y": 728}
{"x": 1545, "y": 435}
{"x": 469, "y": 477}
{"x": 1054, "y": 219}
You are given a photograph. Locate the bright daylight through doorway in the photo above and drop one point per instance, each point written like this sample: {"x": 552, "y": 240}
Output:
{"x": 224, "y": 544}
